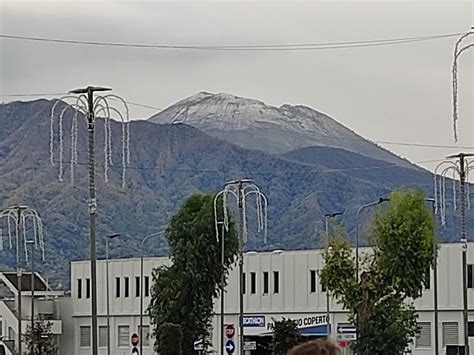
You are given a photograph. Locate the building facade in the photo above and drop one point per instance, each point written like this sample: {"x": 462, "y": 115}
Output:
{"x": 277, "y": 284}
{"x": 47, "y": 307}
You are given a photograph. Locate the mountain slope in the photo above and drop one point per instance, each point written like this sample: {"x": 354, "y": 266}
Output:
{"x": 169, "y": 162}
{"x": 254, "y": 125}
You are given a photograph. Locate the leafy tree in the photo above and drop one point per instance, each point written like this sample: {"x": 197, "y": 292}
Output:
{"x": 285, "y": 336}
{"x": 183, "y": 292}
{"x": 40, "y": 340}
{"x": 170, "y": 338}
{"x": 392, "y": 274}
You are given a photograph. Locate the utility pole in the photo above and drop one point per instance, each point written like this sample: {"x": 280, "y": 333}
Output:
{"x": 463, "y": 240}
{"x": 222, "y": 284}
{"x": 458, "y": 164}
{"x": 241, "y": 189}
{"x": 33, "y": 338}
{"x": 85, "y": 103}
{"x": 327, "y": 216}
{"x": 89, "y": 91}
{"x": 107, "y": 286}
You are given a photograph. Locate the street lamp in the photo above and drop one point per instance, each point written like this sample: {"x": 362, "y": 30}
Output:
{"x": 107, "y": 238}
{"x": 435, "y": 272}
{"x": 141, "y": 285}
{"x": 32, "y": 244}
{"x": 374, "y": 203}
{"x": 327, "y": 216}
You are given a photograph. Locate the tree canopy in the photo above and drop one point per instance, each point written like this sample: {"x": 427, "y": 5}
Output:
{"x": 183, "y": 293}
{"x": 392, "y": 273}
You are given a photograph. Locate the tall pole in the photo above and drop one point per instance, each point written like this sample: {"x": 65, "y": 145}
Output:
{"x": 462, "y": 178}
{"x": 32, "y": 243}
{"x": 327, "y": 216}
{"x": 93, "y": 214}
{"x": 222, "y": 285}
{"x": 241, "y": 266}
{"x": 107, "y": 286}
{"x": 461, "y": 169}
{"x": 141, "y": 286}
{"x": 435, "y": 274}
{"x": 18, "y": 274}
{"x": 92, "y": 206}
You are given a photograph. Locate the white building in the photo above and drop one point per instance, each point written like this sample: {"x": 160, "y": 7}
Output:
{"x": 47, "y": 305}
{"x": 277, "y": 284}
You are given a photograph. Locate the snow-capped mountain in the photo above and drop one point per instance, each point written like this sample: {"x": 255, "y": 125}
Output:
{"x": 253, "y": 124}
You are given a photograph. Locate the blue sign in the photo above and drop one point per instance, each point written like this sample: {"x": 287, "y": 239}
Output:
{"x": 229, "y": 347}
{"x": 253, "y": 321}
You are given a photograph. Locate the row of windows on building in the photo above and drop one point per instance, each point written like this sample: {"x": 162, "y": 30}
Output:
{"x": 276, "y": 282}
{"x": 450, "y": 334}
{"x": 253, "y": 284}
{"x": 123, "y": 336}
{"x": 119, "y": 290}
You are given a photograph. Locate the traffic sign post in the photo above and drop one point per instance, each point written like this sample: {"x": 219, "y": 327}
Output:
{"x": 346, "y": 333}
{"x": 229, "y": 331}
{"x": 230, "y": 347}
{"x": 135, "y": 339}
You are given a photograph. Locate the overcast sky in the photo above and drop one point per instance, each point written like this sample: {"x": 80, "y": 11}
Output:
{"x": 398, "y": 93}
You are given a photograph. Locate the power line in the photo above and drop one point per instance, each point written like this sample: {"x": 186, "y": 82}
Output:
{"x": 64, "y": 93}
{"x": 262, "y": 47}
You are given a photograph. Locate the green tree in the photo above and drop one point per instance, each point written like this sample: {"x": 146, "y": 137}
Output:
{"x": 285, "y": 336}
{"x": 170, "y": 338}
{"x": 183, "y": 293}
{"x": 40, "y": 340}
{"x": 392, "y": 274}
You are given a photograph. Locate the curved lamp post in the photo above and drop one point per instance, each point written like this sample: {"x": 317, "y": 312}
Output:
{"x": 107, "y": 238}
{"x": 374, "y": 203}
{"x": 328, "y": 216}
{"x": 145, "y": 238}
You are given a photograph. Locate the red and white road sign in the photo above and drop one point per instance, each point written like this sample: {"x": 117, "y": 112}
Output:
{"x": 134, "y": 339}
{"x": 229, "y": 331}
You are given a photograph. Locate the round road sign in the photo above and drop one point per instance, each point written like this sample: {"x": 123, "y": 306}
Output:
{"x": 229, "y": 331}
{"x": 134, "y": 339}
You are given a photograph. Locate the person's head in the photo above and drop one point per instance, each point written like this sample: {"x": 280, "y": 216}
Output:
{"x": 316, "y": 347}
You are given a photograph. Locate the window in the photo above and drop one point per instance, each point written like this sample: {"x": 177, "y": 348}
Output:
{"x": 126, "y": 286}
{"x": 117, "y": 287}
{"x": 423, "y": 340}
{"x": 244, "y": 289}
{"x": 102, "y": 336}
{"x": 85, "y": 336}
{"x": 265, "y": 283}
{"x": 470, "y": 282}
{"x": 276, "y": 282}
{"x": 470, "y": 329}
{"x": 323, "y": 288}
{"x": 253, "y": 283}
{"x": 137, "y": 286}
{"x": 145, "y": 335}
{"x": 312, "y": 281}
{"x": 147, "y": 286}
{"x": 1, "y": 328}
{"x": 123, "y": 333}
{"x": 79, "y": 288}
{"x": 428, "y": 279}
{"x": 450, "y": 333}
{"x": 88, "y": 288}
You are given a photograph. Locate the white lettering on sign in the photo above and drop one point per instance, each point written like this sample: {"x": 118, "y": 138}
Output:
{"x": 303, "y": 322}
